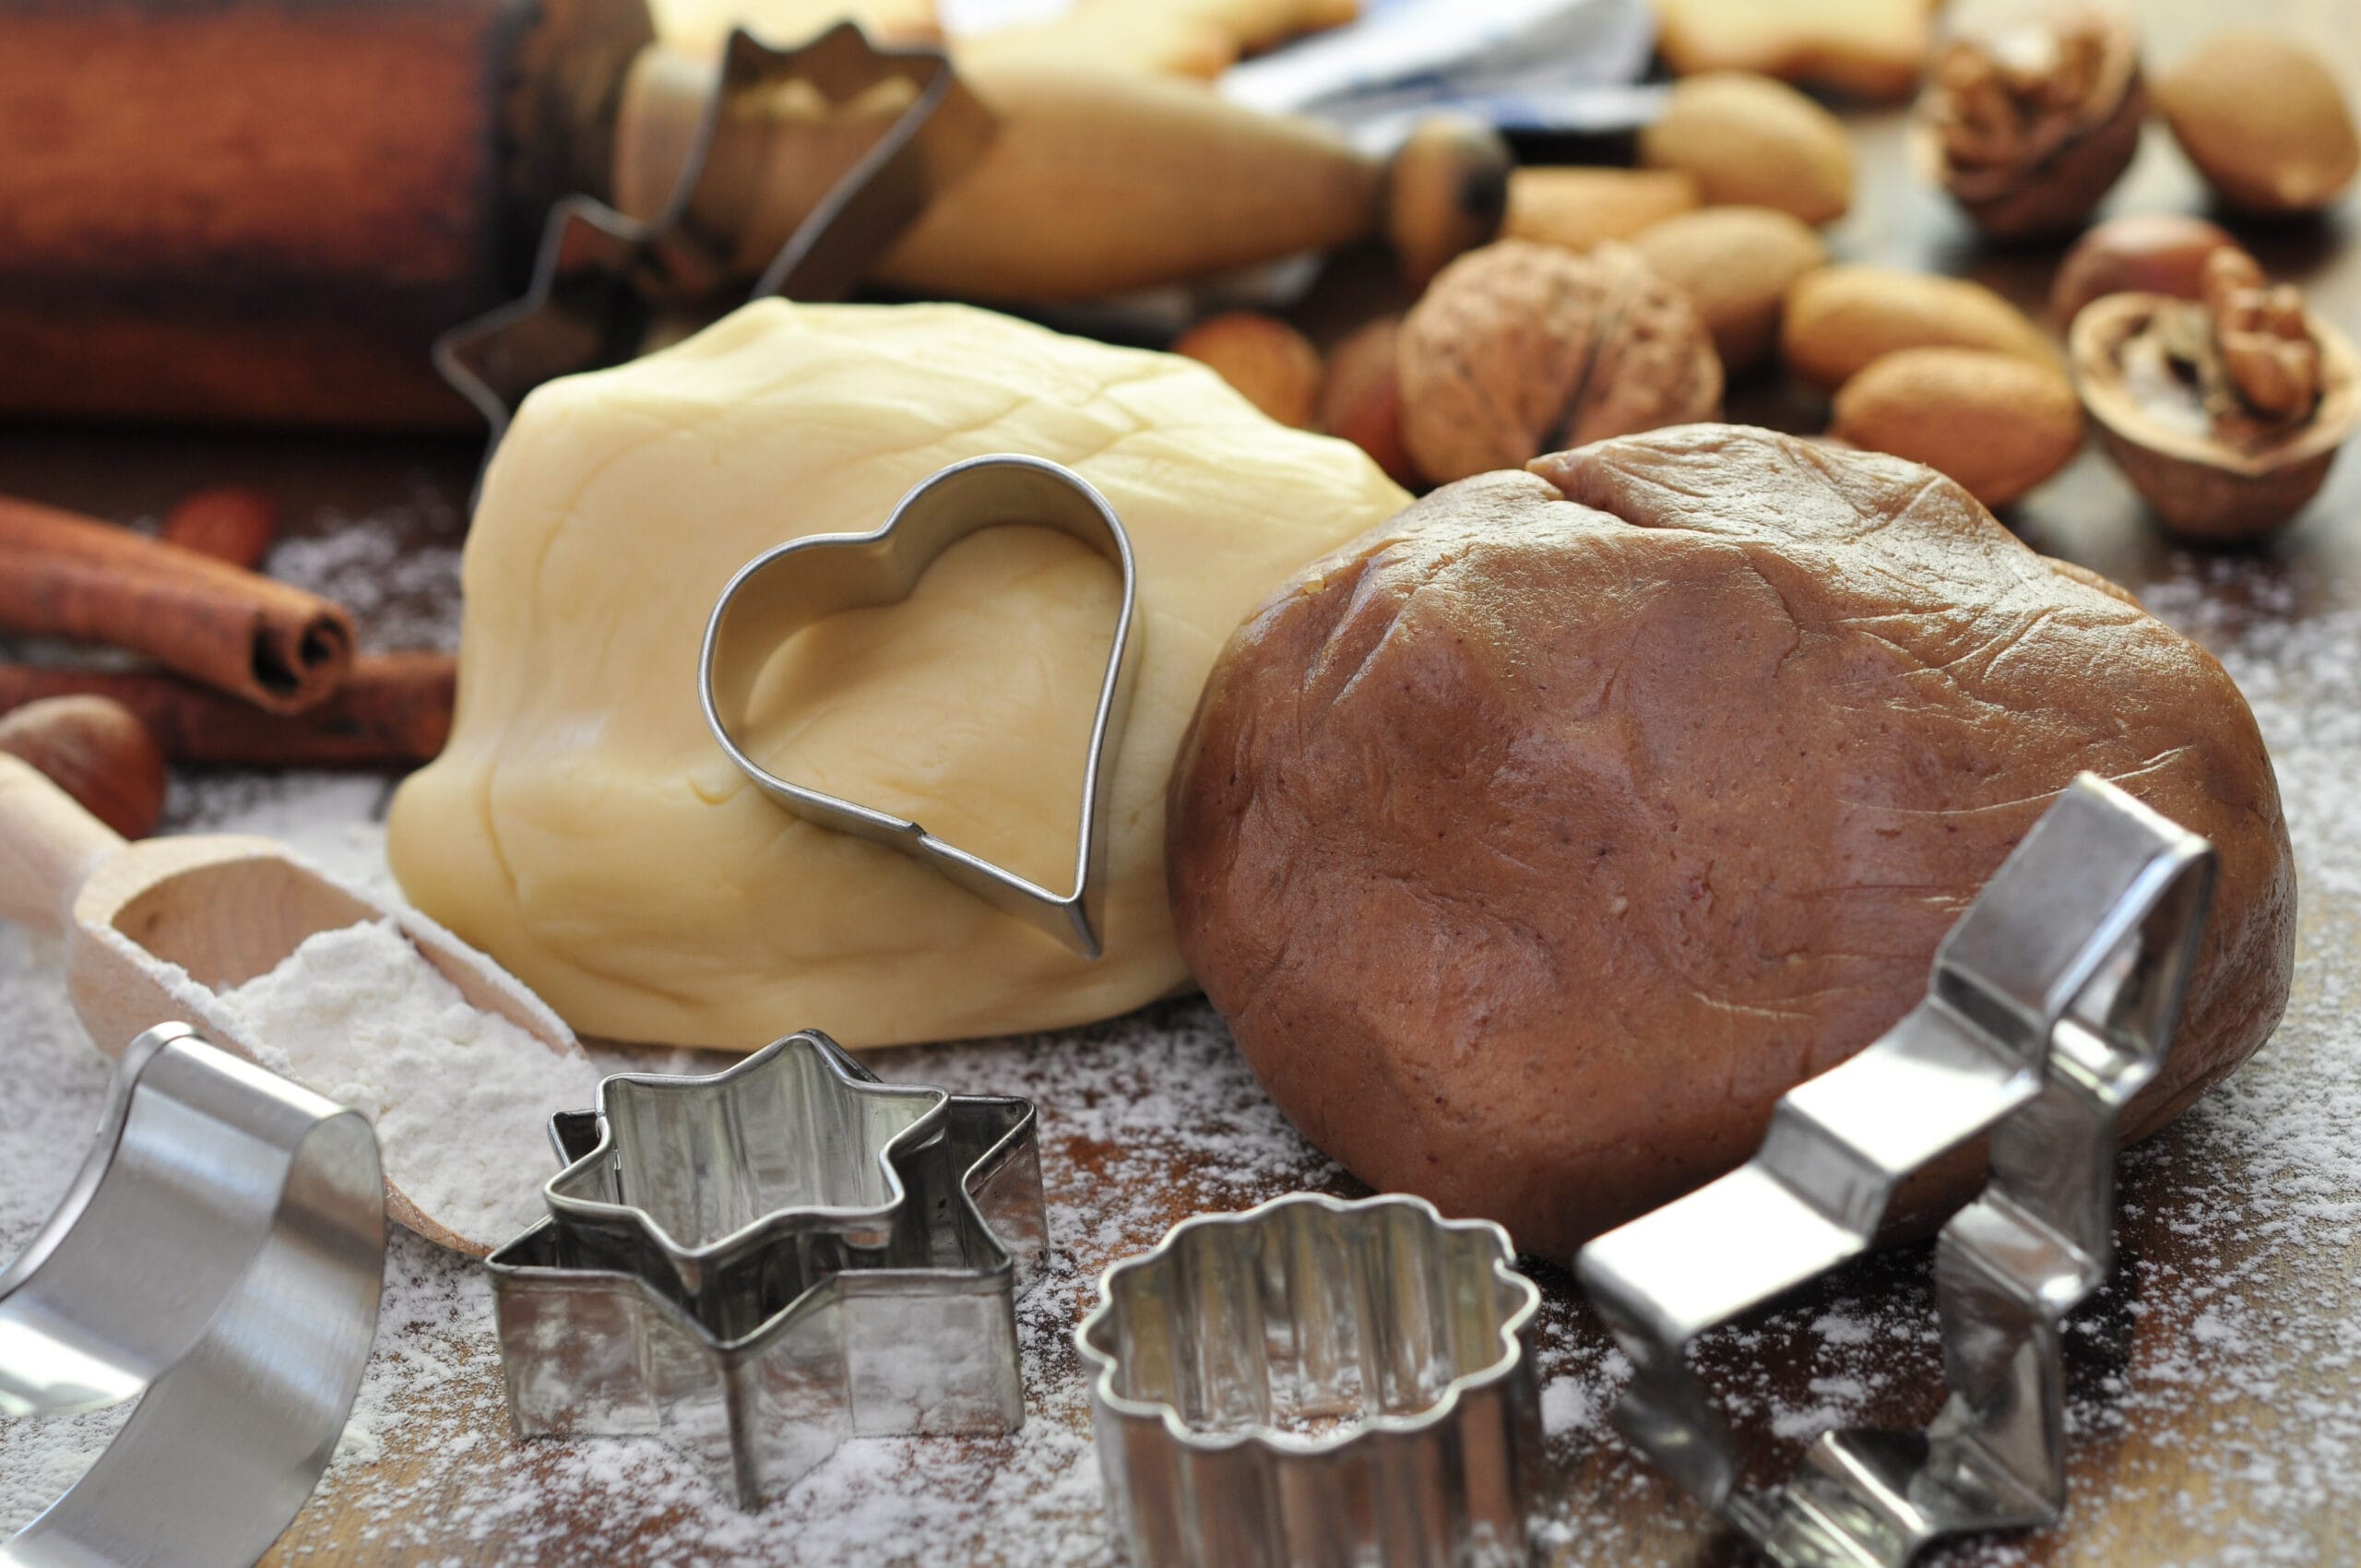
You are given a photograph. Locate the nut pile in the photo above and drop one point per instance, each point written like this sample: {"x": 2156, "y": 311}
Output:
{"x": 1618, "y": 300}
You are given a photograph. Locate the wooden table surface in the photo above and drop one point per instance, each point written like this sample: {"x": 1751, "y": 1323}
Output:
{"x": 2217, "y": 1380}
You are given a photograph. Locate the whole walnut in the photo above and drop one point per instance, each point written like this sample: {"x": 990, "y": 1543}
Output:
{"x": 2028, "y": 128}
{"x": 1520, "y": 349}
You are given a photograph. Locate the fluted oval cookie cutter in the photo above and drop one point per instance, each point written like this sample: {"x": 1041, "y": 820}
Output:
{"x": 222, "y": 1250}
{"x": 786, "y": 588}
{"x": 2052, "y": 1001}
{"x": 1316, "y": 1383}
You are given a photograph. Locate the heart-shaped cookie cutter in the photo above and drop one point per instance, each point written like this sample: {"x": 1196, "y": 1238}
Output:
{"x": 786, "y": 588}
{"x": 2051, "y": 1005}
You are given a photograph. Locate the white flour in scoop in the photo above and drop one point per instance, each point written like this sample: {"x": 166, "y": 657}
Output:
{"x": 459, "y": 1096}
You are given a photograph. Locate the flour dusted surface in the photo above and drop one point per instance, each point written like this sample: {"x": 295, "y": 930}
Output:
{"x": 2214, "y": 1415}
{"x": 460, "y": 1097}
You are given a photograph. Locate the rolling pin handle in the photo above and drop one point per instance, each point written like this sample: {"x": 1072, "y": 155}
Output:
{"x": 1446, "y": 191}
{"x": 49, "y": 847}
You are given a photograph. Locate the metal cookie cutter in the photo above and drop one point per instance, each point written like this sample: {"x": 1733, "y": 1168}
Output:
{"x": 602, "y": 281}
{"x": 221, "y": 1249}
{"x": 786, "y": 588}
{"x": 1317, "y": 1383}
{"x": 760, "y": 1264}
{"x": 2052, "y": 1001}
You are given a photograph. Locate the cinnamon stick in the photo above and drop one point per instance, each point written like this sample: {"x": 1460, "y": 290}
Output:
{"x": 393, "y": 710}
{"x": 229, "y": 522}
{"x": 62, "y": 574}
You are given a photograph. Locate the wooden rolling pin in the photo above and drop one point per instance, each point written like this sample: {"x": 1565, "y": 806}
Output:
{"x": 267, "y": 209}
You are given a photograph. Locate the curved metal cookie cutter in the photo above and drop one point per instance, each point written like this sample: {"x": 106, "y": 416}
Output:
{"x": 221, "y": 1249}
{"x": 786, "y": 588}
{"x": 757, "y": 1265}
{"x": 1317, "y": 1383}
{"x": 602, "y": 281}
{"x": 2052, "y": 1001}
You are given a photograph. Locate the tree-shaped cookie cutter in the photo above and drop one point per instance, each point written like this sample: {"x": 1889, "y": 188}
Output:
{"x": 2052, "y": 1002}
{"x": 786, "y": 588}
{"x": 757, "y": 1265}
{"x": 1317, "y": 1381}
{"x": 602, "y": 281}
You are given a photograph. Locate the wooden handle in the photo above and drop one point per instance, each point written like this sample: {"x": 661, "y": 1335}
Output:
{"x": 49, "y": 847}
{"x": 1098, "y": 183}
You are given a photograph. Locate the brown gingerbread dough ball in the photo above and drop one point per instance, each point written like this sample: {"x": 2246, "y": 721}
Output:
{"x": 1536, "y": 842}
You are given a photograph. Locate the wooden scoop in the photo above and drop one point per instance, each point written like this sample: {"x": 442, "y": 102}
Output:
{"x": 226, "y": 910}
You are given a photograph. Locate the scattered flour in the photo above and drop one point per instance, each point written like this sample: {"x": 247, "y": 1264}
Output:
{"x": 2214, "y": 1411}
{"x": 459, "y": 1096}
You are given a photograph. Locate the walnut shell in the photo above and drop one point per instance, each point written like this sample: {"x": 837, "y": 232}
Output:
{"x": 2029, "y": 128}
{"x": 2263, "y": 120}
{"x": 2199, "y": 485}
{"x": 1521, "y": 349}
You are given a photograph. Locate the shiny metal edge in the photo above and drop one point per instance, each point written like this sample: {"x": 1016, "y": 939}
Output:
{"x": 264, "y": 1204}
{"x": 719, "y": 1405}
{"x": 1446, "y": 1484}
{"x": 882, "y": 566}
{"x": 1104, "y": 1364}
{"x": 843, "y": 1072}
{"x": 599, "y": 275}
{"x": 2052, "y": 1001}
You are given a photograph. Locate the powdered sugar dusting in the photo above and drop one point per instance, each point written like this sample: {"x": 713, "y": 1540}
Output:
{"x": 2215, "y": 1413}
{"x": 398, "y": 571}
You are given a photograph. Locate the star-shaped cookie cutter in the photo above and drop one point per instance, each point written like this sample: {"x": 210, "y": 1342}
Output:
{"x": 785, "y": 1162}
{"x": 789, "y": 587}
{"x": 601, "y": 280}
{"x": 757, "y": 1265}
{"x": 2052, "y": 1001}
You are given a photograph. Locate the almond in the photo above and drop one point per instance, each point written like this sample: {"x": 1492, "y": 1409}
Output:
{"x": 1997, "y": 424}
{"x": 1840, "y": 318}
{"x": 97, "y": 751}
{"x": 1579, "y": 207}
{"x": 1736, "y": 263}
{"x": 2261, "y": 118}
{"x": 229, "y": 522}
{"x": 2141, "y": 253}
{"x": 1360, "y": 397}
{"x": 1271, "y": 362}
{"x": 1752, "y": 141}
